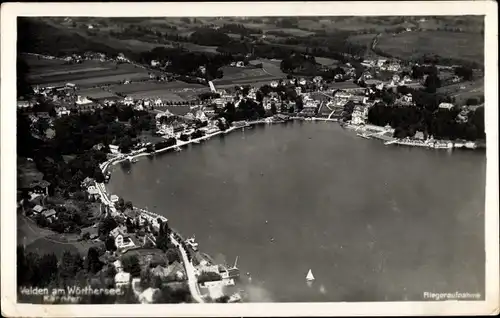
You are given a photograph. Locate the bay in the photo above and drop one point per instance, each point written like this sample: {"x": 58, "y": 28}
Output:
{"x": 373, "y": 222}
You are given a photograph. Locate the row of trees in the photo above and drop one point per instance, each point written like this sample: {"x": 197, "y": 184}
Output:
{"x": 442, "y": 123}
{"x": 183, "y": 62}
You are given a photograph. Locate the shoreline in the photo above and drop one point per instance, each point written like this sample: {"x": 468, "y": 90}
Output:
{"x": 376, "y": 132}
{"x": 153, "y": 217}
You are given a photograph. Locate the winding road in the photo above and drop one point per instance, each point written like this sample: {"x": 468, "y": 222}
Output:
{"x": 190, "y": 270}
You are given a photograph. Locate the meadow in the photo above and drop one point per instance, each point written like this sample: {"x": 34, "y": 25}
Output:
{"x": 409, "y": 45}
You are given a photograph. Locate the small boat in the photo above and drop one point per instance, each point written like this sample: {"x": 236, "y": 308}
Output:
{"x": 134, "y": 160}
{"x": 196, "y": 141}
{"x": 309, "y": 276}
{"x": 177, "y": 149}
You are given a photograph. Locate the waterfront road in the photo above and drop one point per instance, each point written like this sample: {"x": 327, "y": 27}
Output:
{"x": 190, "y": 272}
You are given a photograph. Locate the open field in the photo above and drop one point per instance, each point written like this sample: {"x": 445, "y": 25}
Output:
{"x": 407, "y": 45}
{"x": 153, "y": 86}
{"x": 97, "y": 93}
{"x": 198, "y": 48}
{"x": 249, "y": 80}
{"x": 236, "y": 73}
{"x": 326, "y": 61}
{"x": 43, "y": 241}
{"x": 162, "y": 94}
{"x": 175, "y": 91}
{"x": 83, "y": 75}
{"x": 362, "y": 39}
{"x": 103, "y": 80}
{"x": 470, "y": 90}
{"x": 87, "y": 74}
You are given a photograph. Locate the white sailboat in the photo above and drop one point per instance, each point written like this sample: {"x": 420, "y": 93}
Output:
{"x": 310, "y": 276}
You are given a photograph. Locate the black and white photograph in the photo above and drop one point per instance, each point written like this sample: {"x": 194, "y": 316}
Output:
{"x": 190, "y": 157}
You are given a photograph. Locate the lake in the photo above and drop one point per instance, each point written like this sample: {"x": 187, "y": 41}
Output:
{"x": 372, "y": 222}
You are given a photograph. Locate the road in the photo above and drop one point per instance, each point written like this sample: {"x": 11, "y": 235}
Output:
{"x": 190, "y": 272}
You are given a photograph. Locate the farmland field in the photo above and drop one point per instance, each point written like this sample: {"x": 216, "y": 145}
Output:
{"x": 104, "y": 80}
{"x": 326, "y": 61}
{"x": 235, "y": 73}
{"x": 362, "y": 39}
{"x": 87, "y": 74}
{"x": 96, "y": 93}
{"x": 162, "y": 94}
{"x": 469, "y": 90}
{"x": 79, "y": 75}
{"x": 153, "y": 86}
{"x": 175, "y": 91}
{"x": 465, "y": 46}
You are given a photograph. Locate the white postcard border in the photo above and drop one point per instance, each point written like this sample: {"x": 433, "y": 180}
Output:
{"x": 9, "y": 13}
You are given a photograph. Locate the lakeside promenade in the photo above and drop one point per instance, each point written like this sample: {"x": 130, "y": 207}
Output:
{"x": 153, "y": 217}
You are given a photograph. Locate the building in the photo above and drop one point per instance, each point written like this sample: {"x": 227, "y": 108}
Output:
{"x": 368, "y": 63}
{"x": 38, "y": 209}
{"x": 446, "y": 106}
{"x": 317, "y": 79}
{"x": 128, "y": 101}
{"x": 114, "y": 149}
{"x": 358, "y": 116}
{"x": 149, "y": 296}
{"x": 92, "y": 193}
{"x": 80, "y": 101}
{"x": 37, "y": 186}
{"x": 49, "y": 215}
{"x": 114, "y": 198}
{"x": 24, "y": 104}
{"x": 160, "y": 271}
{"x": 394, "y": 67}
{"x": 122, "y": 279}
{"x": 118, "y": 265}
{"x": 62, "y": 111}
{"x": 408, "y": 98}
{"x": 381, "y": 62}
{"x": 122, "y": 239}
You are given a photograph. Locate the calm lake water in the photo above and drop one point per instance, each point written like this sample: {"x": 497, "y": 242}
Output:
{"x": 373, "y": 222}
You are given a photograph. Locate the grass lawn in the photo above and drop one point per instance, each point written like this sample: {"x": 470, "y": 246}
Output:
{"x": 470, "y": 90}
{"x": 466, "y": 46}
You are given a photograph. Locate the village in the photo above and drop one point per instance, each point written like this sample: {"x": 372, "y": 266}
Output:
{"x": 347, "y": 99}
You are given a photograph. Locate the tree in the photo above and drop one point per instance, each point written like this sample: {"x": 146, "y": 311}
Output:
{"x": 110, "y": 244}
{"x": 69, "y": 266}
{"x": 93, "y": 264}
{"x": 273, "y": 108}
{"x": 107, "y": 225}
{"x": 121, "y": 204}
{"x": 432, "y": 83}
{"x": 131, "y": 265}
{"x": 129, "y": 205}
{"x": 129, "y": 225}
{"x": 48, "y": 269}
{"x": 146, "y": 278}
{"x": 172, "y": 255}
